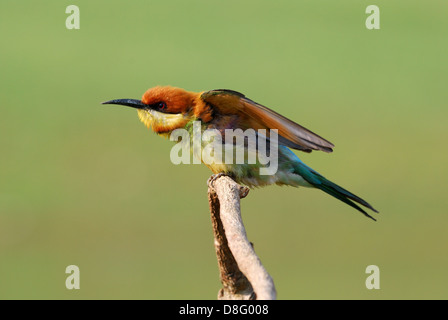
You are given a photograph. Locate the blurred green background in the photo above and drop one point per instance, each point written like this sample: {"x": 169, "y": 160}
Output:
{"x": 86, "y": 184}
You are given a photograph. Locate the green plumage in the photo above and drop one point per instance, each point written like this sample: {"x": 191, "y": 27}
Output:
{"x": 320, "y": 182}
{"x": 291, "y": 171}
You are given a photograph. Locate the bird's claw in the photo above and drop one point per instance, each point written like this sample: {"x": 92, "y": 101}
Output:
{"x": 213, "y": 178}
{"x": 244, "y": 191}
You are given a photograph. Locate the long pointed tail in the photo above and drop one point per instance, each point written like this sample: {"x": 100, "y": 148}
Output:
{"x": 320, "y": 182}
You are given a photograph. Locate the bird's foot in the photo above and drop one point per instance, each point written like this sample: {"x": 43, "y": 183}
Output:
{"x": 244, "y": 191}
{"x": 213, "y": 178}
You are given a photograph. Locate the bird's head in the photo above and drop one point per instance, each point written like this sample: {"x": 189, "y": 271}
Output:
{"x": 163, "y": 109}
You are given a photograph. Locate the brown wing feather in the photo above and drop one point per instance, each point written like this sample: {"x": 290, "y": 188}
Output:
{"x": 258, "y": 116}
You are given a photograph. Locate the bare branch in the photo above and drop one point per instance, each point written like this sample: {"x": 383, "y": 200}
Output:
{"x": 242, "y": 275}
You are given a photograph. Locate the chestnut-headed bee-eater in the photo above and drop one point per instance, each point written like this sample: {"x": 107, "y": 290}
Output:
{"x": 166, "y": 108}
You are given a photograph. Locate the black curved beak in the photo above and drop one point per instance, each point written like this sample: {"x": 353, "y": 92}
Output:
{"x": 128, "y": 103}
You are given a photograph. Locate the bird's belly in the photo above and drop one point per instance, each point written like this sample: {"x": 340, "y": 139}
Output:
{"x": 250, "y": 175}
{"x": 251, "y": 167}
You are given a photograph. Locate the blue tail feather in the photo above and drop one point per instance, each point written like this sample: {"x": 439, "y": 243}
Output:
{"x": 320, "y": 182}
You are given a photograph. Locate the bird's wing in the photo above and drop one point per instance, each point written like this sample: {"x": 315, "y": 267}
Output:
{"x": 257, "y": 116}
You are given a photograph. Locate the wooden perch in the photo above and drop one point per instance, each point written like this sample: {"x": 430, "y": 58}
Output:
{"x": 242, "y": 275}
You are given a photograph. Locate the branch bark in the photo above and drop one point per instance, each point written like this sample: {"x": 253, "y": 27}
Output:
{"x": 242, "y": 274}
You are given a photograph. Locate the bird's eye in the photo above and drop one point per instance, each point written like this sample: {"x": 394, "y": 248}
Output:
{"x": 161, "y": 105}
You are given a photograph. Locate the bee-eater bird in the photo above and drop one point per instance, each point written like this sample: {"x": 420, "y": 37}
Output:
{"x": 166, "y": 108}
